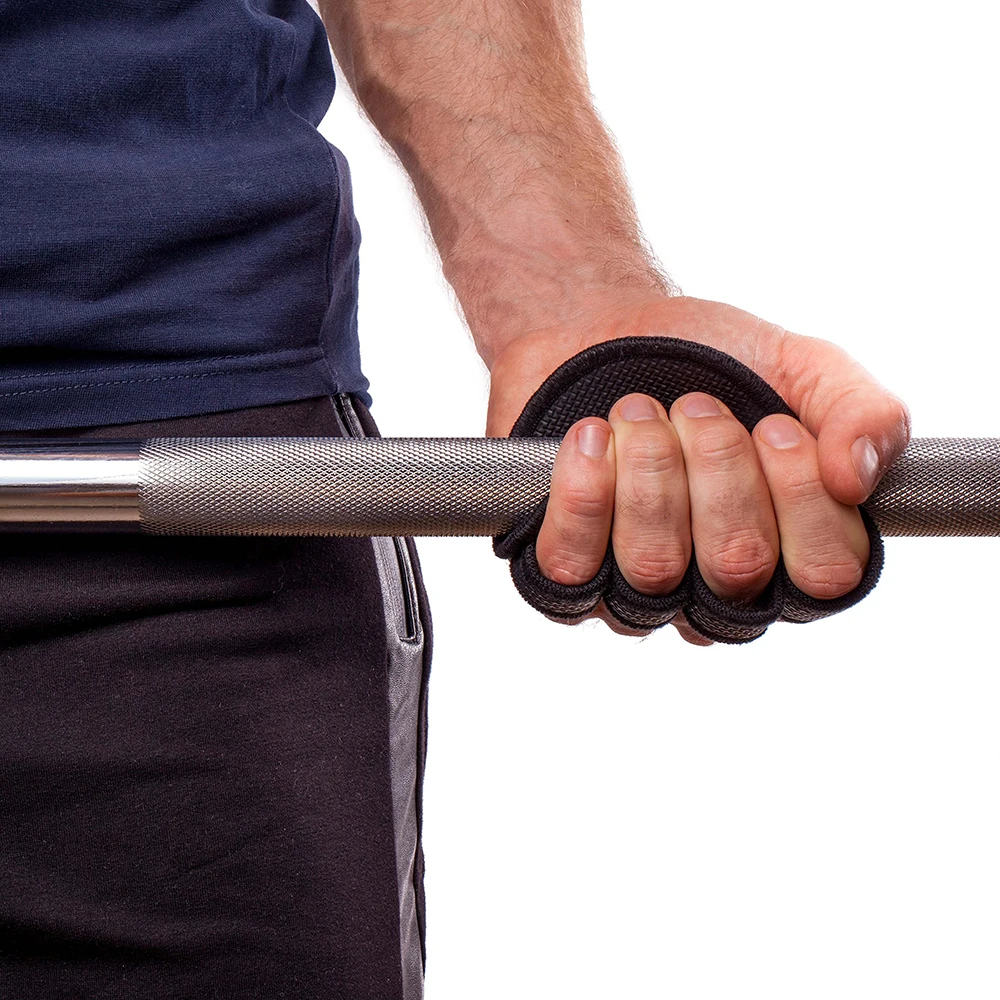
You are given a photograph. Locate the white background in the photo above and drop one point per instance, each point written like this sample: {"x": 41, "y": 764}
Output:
{"x": 818, "y": 814}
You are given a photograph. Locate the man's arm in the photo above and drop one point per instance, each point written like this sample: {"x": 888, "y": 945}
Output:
{"x": 487, "y": 106}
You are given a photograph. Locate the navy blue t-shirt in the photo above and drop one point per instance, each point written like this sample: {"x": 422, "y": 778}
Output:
{"x": 176, "y": 237}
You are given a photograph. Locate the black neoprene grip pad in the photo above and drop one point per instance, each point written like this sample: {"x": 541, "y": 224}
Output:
{"x": 588, "y": 385}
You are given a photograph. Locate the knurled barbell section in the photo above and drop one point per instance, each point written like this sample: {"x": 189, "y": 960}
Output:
{"x": 476, "y": 486}
{"x": 941, "y": 486}
{"x": 340, "y": 486}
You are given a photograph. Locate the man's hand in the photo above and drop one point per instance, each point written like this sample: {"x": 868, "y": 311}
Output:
{"x": 655, "y": 482}
{"x": 489, "y": 109}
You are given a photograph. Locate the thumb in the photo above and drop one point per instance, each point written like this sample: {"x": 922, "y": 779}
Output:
{"x": 861, "y": 427}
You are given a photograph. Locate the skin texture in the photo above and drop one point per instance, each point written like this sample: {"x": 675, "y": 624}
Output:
{"x": 488, "y": 108}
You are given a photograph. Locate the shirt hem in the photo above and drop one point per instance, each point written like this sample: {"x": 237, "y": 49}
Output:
{"x": 129, "y": 393}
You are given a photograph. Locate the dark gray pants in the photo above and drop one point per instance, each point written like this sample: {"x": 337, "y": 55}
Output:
{"x": 211, "y": 753}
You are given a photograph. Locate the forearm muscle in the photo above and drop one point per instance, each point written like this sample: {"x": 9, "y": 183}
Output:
{"x": 487, "y": 105}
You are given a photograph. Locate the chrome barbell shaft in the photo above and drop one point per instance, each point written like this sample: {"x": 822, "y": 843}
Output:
{"x": 393, "y": 486}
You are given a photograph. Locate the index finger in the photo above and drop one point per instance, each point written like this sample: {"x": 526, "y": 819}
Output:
{"x": 861, "y": 427}
{"x": 573, "y": 539}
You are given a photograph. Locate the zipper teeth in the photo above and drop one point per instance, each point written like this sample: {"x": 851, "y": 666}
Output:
{"x": 352, "y": 427}
{"x": 348, "y": 418}
{"x": 411, "y": 630}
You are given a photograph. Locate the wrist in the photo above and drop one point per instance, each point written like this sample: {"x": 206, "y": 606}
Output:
{"x": 513, "y": 287}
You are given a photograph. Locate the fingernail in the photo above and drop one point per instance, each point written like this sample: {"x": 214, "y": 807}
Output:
{"x": 592, "y": 440}
{"x": 865, "y": 459}
{"x": 780, "y": 432}
{"x": 700, "y": 405}
{"x": 638, "y": 408}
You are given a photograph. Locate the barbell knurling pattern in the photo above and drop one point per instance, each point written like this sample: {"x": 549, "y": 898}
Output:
{"x": 941, "y": 486}
{"x": 475, "y": 486}
{"x": 340, "y": 486}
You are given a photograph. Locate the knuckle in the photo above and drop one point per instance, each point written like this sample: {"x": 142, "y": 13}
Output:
{"x": 720, "y": 446}
{"x": 653, "y": 570}
{"x": 743, "y": 565}
{"x": 804, "y": 491}
{"x": 651, "y": 457}
{"x": 827, "y": 578}
{"x": 645, "y": 503}
{"x": 578, "y": 504}
{"x": 567, "y": 566}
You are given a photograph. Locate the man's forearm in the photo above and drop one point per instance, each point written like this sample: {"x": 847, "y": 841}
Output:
{"x": 488, "y": 108}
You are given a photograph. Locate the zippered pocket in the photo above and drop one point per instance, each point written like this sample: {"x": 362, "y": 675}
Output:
{"x": 395, "y": 565}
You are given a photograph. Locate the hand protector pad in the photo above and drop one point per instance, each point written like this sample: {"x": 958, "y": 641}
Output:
{"x": 588, "y": 385}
